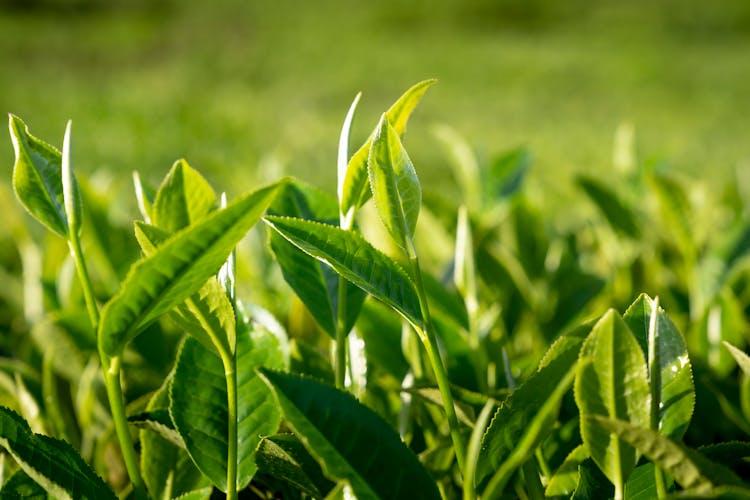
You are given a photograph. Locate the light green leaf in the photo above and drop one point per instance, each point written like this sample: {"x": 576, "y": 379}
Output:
{"x": 675, "y": 378}
{"x": 314, "y": 283}
{"x": 144, "y": 196}
{"x": 612, "y": 381}
{"x": 620, "y": 216}
{"x": 690, "y": 469}
{"x": 641, "y": 485}
{"x": 201, "y": 494}
{"x": 37, "y": 179}
{"x": 198, "y": 403}
{"x": 724, "y": 321}
{"x": 350, "y": 441}
{"x": 284, "y": 457}
{"x": 350, "y": 255}
{"x": 21, "y": 486}
{"x": 343, "y": 156}
{"x": 183, "y": 198}
{"x": 743, "y": 360}
{"x": 506, "y": 173}
{"x": 52, "y": 463}
{"x": 355, "y": 191}
{"x": 177, "y": 269}
{"x": 394, "y": 183}
{"x": 73, "y": 202}
{"x": 565, "y": 479}
{"x": 207, "y": 315}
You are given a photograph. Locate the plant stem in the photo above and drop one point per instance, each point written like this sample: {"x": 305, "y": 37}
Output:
{"x": 111, "y": 369}
{"x": 431, "y": 346}
{"x": 230, "y": 372}
{"x": 341, "y": 334}
{"x": 117, "y": 407}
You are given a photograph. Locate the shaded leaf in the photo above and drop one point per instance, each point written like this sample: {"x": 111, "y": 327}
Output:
{"x": 611, "y": 381}
{"x": 21, "y": 486}
{"x": 198, "y": 404}
{"x": 620, "y": 216}
{"x": 565, "y": 479}
{"x": 355, "y": 192}
{"x": 675, "y": 378}
{"x": 349, "y": 440}
{"x": 177, "y": 269}
{"x": 283, "y": 456}
{"x": 184, "y": 197}
{"x": 52, "y": 463}
{"x": 394, "y": 183}
{"x": 350, "y": 255}
{"x": 37, "y": 178}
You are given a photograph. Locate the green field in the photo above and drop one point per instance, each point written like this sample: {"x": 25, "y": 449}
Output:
{"x": 240, "y": 87}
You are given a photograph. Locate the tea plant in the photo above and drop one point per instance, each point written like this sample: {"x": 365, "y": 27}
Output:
{"x": 484, "y": 371}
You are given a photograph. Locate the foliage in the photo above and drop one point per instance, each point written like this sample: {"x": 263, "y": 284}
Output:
{"x": 524, "y": 362}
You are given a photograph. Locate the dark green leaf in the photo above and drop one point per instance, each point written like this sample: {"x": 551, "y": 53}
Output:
{"x": 506, "y": 173}
{"x": 620, "y": 216}
{"x": 284, "y": 457}
{"x": 565, "y": 479}
{"x": 198, "y": 398}
{"x": 177, "y": 269}
{"x": 52, "y": 463}
{"x": 349, "y": 440}
{"x": 350, "y": 255}
{"x": 21, "y": 486}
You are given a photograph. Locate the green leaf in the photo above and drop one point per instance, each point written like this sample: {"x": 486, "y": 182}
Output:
{"x": 723, "y": 321}
{"x": 166, "y": 466}
{"x": 743, "y": 360}
{"x": 72, "y": 200}
{"x": 52, "y": 463}
{"x": 183, "y": 198}
{"x": 592, "y": 484}
{"x": 37, "y": 178}
{"x": 343, "y": 156}
{"x": 618, "y": 214}
{"x": 612, "y": 381}
{"x": 21, "y": 486}
{"x": 350, "y": 255}
{"x": 729, "y": 453}
{"x": 284, "y": 457}
{"x": 201, "y": 494}
{"x": 314, "y": 283}
{"x": 538, "y": 425}
{"x": 675, "y": 378}
{"x": 506, "y": 173}
{"x": 207, "y": 315}
{"x": 350, "y": 441}
{"x": 355, "y": 192}
{"x": 144, "y": 196}
{"x": 718, "y": 493}
{"x": 690, "y": 469}
{"x": 198, "y": 397}
{"x": 641, "y": 484}
{"x": 565, "y": 479}
{"x": 177, "y": 269}
{"x": 394, "y": 183}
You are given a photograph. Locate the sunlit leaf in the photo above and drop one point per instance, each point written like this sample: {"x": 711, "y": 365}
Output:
{"x": 355, "y": 192}
{"x": 183, "y": 198}
{"x": 612, "y": 381}
{"x": 177, "y": 269}
{"x": 743, "y": 360}
{"x": 350, "y": 255}
{"x": 565, "y": 479}
{"x": 350, "y": 441}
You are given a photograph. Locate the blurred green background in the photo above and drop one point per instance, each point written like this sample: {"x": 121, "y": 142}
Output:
{"x": 247, "y": 90}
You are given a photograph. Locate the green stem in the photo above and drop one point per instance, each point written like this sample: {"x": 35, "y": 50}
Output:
{"x": 230, "y": 373}
{"x": 74, "y": 244}
{"x": 341, "y": 334}
{"x": 431, "y": 346}
{"x": 117, "y": 407}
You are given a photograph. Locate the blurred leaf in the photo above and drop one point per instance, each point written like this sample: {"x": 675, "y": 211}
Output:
{"x": 198, "y": 404}
{"x": 718, "y": 493}
{"x": 381, "y": 331}
{"x": 52, "y": 463}
{"x": 723, "y": 321}
{"x": 675, "y": 377}
{"x": 177, "y": 269}
{"x": 37, "y": 178}
{"x": 350, "y": 255}
{"x": 355, "y": 190}
{"x": 306, "y": 360}
{"x": 743, "y": 360}
{"x": 201, "y": 494}
{"x": 611, "y": 380}
{"x": 688, "y": 467}
{"x": 394, "y": 183}
{"x": 144, "y": 196}
{"x": 183, "y": 198}
{"x": 284, "y": 457}
{"x": 592, "y": 483}
{"x": 730, "y": 453}
{"x": 21, "y": 486}
{"x": 620, "y": 217}
{"x": 465, "y": 166}
{"x": 506, "y": 174}
{"x": 675, "y": 213}
{"x": 349, "y": 440}
{"x": 314, "y": 283}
